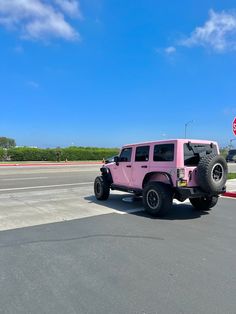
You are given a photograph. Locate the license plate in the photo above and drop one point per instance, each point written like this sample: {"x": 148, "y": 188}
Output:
{"x": 182, "y": 183}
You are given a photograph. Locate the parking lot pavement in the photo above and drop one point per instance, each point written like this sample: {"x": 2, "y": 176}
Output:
{"x": 36, "y": 196}
{"x": 128, "y": 264}
{"x": 36, "y": 207}
{"x": 78, "y": 255}
{"x": 42, "y": 206}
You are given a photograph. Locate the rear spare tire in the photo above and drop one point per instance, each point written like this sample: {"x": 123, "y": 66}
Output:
{"x": 212, "y": 173}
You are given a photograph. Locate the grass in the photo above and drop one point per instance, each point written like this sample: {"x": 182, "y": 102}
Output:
{"x": 231, "y": 176}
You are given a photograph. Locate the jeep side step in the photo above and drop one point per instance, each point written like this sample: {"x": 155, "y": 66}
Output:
{"x": 126, "y": 189}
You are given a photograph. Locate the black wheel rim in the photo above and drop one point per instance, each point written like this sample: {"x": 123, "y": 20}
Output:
{"x": 153, "y": 199}
{"x": 217, "y": 173}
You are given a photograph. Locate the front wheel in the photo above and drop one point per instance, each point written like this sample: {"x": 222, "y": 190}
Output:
{"x": 157, "y": 199}
{"x": 204, "y": 203}
{"x": 101, "y": 188}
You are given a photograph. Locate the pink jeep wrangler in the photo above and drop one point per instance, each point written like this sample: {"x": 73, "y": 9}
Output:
{"x": 163, "y": 170}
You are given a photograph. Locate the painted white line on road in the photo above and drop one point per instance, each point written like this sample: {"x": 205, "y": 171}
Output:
{"x": 46, "y": 186}
{"x": 21, "y": 179}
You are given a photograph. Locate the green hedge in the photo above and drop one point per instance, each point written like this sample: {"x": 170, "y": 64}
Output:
{"x": 224, "y": 152}
{"x": 56, "y": 154}
{"x": 2, "y": 154}
{"x": 87, "y": 153}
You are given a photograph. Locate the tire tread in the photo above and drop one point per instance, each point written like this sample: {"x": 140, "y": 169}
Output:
{"x": 166, "y": 198}
{"x": 105, "y": 188}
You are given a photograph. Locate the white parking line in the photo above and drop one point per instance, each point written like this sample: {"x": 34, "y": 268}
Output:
{"x": 45, "y": 186}
{"x": 21, "y": 179}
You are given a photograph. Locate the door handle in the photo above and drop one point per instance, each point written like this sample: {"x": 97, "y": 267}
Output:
{"x": 128, "y": 166}
{"x": 143, "y": 166}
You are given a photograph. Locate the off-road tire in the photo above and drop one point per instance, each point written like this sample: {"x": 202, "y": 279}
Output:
{"x": 101, "y": 188}
{"x": 204, "y": 203}
{"x": 157, "y": 198}
{"x": 212, "y": 173}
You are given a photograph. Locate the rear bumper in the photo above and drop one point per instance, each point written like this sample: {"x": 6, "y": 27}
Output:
{"x": 182, "y": 194}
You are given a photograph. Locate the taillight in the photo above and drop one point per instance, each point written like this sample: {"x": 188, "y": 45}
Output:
{"x": 180, "y": 173}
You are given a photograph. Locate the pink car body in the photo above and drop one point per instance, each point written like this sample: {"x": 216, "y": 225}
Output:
{"x": 133, "y": 173}
{"x": 162, "y": 170}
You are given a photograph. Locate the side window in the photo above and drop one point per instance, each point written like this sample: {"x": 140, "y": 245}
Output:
{"x": 142, "y": 153}
{"x": 125, "y": 155}
{"x": 164, "y": 152}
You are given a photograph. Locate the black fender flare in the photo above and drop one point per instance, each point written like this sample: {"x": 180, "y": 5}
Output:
{"x": 106, "y": 173}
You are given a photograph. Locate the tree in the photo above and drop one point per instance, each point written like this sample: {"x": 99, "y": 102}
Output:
{"x": 6, "y": 142}
{"x": 58, "y": 154}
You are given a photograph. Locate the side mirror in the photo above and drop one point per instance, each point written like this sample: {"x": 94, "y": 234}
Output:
{"x": 116, "y": 160}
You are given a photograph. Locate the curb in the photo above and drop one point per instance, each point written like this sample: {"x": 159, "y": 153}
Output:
{"x": 51, "y": 164}
{"x": 230, "y": 194}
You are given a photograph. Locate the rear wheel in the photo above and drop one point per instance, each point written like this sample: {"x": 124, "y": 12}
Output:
{"x": 204, "y": 203}
{"x": 157, "y": 198}
{"x": 101, "y": 188}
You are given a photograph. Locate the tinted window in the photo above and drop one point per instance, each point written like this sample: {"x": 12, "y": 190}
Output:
{"x": 142, "y": 153}
{"x": 193, "y": 153}
{"x": 164, "y": 152}
{"x": 125, "y": 155}
{"x": 232, "y": 152}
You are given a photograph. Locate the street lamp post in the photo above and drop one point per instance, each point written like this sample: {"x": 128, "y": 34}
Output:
{"x": 186, "y": 124}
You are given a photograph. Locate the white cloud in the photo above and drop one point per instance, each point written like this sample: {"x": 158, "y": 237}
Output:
{"x": 168, "y": 53}
{"x": 218, "y": 32}
{"x": 39, "y": 19}
{"x": 170, "y": 50}
{"x": 70, "y": 7}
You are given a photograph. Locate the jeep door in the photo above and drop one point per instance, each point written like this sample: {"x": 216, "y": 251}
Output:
{"x": 140, "y": 165}
{"x": 122, "y": 171}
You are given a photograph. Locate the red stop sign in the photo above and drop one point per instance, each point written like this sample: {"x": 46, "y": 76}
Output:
{"x": 234, "y": 126}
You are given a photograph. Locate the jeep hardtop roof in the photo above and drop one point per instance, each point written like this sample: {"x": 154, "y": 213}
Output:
{"x": 194, "y": 141}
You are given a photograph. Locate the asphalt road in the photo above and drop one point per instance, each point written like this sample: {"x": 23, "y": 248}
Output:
{"x": 109, "y": 257}
{"x": 23, "y": 177}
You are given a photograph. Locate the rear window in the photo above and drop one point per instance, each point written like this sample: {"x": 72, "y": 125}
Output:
{"x": 193, "y": 152}
{"x": 164, "y": 152}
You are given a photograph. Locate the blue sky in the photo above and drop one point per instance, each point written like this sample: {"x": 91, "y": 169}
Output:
{"x": 110, "y": 72}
